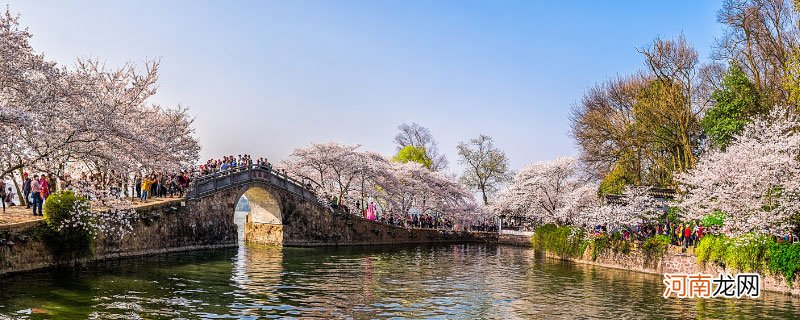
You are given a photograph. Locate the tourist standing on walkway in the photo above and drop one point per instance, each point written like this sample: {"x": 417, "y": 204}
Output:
{"x": 371, "y": 211}
{"x": 3, "y": 194}
{"x": 183, "y": 182}
{"x": 9, "y": 197}
{"x": 153, "y": 189}
{"x": 687, "y": 236}
{"x": 44, "y": 186}
{"x": 26, "y": 189}
{"x": 137, "y": 182}
{"x": 145, "y": 188}
{"x": 36, "y": 196}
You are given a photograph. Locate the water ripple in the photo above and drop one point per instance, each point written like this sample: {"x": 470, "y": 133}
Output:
{"x": 438, "y": 282}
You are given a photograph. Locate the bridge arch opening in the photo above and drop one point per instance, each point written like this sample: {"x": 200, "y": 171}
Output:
{"x": 263, "y": 222}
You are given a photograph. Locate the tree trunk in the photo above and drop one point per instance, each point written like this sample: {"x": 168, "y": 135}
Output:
{"x": 22, "y": 200}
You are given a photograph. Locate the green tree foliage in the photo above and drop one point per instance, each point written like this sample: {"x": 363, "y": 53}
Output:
{"x": 791, "y": 83}
{"x": 642, "y": 128}
{"x": 615, "y": 181}
{"x": 714, "y": 219}
{"x": 784, "y": 259}
{"x": 413, "y": 154}
{"x": 736, "y": 102}
{"x": 418, "y": 136}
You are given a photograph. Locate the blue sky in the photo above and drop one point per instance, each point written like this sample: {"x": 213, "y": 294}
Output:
{"x": 263, "y": 77}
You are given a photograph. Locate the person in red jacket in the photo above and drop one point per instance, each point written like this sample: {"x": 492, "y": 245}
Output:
{"x": 687, "y": 236}
{"x": 44, "y": 184}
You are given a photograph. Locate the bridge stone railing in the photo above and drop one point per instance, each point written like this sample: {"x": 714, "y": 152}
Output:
{"x": 209, "y": 184}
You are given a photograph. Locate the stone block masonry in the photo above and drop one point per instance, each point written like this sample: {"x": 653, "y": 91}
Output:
{"x": 164, "y": 227}
{"x": 182, "y": 225}
{"x": 673, "y": 261}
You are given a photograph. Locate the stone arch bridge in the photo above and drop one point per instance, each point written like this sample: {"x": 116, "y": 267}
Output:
{"x": 284, "y": 212}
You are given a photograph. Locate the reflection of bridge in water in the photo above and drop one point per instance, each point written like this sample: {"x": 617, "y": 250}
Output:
{"x": 284, "y": 212}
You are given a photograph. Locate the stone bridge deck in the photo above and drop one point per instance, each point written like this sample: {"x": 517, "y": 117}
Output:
{"x": 220, "y": 181}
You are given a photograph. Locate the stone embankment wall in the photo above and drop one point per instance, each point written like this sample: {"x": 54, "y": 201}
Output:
{"x": 514, "y": 239}
{"x": 180, "y": 226}
{"x": 165, "y": 227}
{"x": 307, "y": 224}
{"x": 674, "y": 260}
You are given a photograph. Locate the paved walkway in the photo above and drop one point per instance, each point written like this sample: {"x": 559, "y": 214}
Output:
{"x": 18, "y": 214}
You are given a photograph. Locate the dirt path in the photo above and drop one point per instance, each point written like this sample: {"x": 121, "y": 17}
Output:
{"x": 18, "y": 214}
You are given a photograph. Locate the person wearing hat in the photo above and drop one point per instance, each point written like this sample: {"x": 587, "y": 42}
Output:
{"x": 26, "y": 189}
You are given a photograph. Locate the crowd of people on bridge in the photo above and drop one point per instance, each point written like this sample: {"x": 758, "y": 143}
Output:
{"x": 142, "y": 186}
{"x": 229, "y": 163}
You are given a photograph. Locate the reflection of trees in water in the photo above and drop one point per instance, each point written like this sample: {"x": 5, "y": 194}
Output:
{"x": 367, "y": 282}
{"x": 449, "y": 281}
{"x": 464, "y": 281}
{"x": 161, "y": 286}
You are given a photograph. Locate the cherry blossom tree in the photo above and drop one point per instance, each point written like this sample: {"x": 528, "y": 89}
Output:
{"x": 86, "y": 118}
{"x": 555, "y": 191}
{"x": 353, "y": 176}
{"x": 330, "y": 167}
{"x": 635, "y": 205}
{"x": 755, "y": 181}
{"x": 561, "y": 192}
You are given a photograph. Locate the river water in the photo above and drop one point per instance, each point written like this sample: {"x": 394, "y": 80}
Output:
{"x": 463, "y": 281}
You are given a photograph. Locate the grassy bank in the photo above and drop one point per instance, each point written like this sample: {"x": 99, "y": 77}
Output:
{"x": 560, "y": 240}
{"x": 750, "y": 253}
{"x": 572, "y": 242}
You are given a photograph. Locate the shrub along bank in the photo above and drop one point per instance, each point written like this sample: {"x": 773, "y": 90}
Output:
{"x": 748, "y": 253}
{"x": 66, "y": 233}
{"x": 751, "y": 253}
{"x": 571, "y": 242}
{"x": 560, "y": 240}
